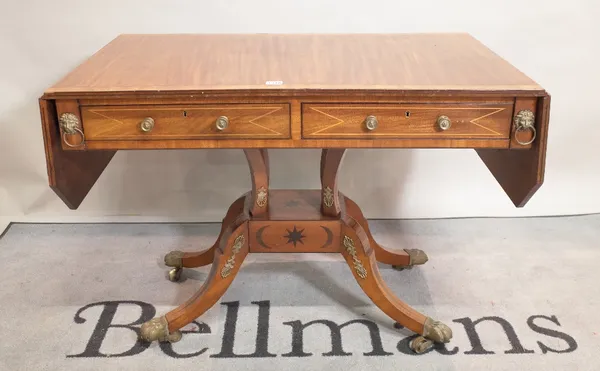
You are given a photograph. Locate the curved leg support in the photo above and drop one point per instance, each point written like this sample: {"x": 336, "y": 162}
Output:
{"x": 361, "y": 259}
{"x": 227, "y": 261}
{"x": 330, "y": 164}
{"x": 179, "y": 259}
{"x": 258, "y": 160}
{"x": 400, "y": 259}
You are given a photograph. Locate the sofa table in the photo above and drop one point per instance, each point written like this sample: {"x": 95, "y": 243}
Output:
{"x": 332, "y": 92}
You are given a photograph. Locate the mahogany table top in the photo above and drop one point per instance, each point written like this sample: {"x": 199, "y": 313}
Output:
{"x": 294, "y": 62}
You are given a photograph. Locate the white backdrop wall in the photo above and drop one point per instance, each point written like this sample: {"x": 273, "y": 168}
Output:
{"x": 557, "y": 43}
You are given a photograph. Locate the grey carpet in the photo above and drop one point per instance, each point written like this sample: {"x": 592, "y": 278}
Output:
{"x": 533, "y": 283}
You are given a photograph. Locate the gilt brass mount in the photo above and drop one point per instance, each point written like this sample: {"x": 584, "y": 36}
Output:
{"x": 230, "y": 263}
{"x": 261, "y": 197}
{"x": 69, "y": 123}
{"x": 525, "y": 120}
{"x": 328, "y": 196}
{"x": 358, "y": 265}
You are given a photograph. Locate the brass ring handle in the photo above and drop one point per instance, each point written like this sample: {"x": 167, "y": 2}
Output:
{"x": 222, "y": 123}
{"x": 76, "y": 130}
{"x": 523, "y": 128}
{"x": 444, "y": 122}
{"x": 69, "y": 123}
{"x": 525, "y": 120}
{"x": 147, "y": 124}
{"x": 371, "y": 122}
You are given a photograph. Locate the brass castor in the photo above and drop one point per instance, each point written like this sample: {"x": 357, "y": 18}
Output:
{"x": 420, "y": 344}
{"x": 175, "y": 274}
{"x": 174, "y": 259}
{"x": 158, "y": 329}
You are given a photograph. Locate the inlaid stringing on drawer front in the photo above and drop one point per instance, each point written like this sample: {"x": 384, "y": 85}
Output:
{"x": 479, "y": 120}
{"x": 240, "y": 121}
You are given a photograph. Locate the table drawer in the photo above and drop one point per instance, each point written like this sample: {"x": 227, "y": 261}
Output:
{"x": 239, "y": 121}
{"x": 477, "y": 120}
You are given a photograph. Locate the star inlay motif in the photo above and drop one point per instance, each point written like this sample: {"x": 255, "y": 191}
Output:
{"x": 295, "y": 236}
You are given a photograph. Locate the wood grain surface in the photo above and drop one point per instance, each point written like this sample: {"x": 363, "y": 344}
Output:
{"x": 187, "y": 62}
{"x": 71, "y": 174}
{"x": 372, "y": 283}
{"x": 405, "y": 121}
{"x": 321, "y": 88}
{"x": 294, "y": 204}
{"x": 186, "y": 122}
{"x": 201, "y": 258}
{"x": 217, "y": 283}
{"x": 479, "y": 121}
{"x": 396, "y": 256}
{"x": 295, "y": 91}
{"x": 521, "y": 172}
{"x": 294, "y": 236}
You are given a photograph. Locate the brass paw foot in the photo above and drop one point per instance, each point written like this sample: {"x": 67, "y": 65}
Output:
{"x": 417, "y": 257}
{"x": 158, "y": 329}
{"x": 174, "y": 259}
{"x": 436, "y": 331}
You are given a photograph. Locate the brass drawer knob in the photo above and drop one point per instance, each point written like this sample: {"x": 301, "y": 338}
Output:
{"x": 371, "y": 122}
{"x": 222, "y": 123}
{"x": 147, "y": 124}
{"x": 69, "y": 123}
{"x": 525, "y": 120}
{"x": 444, "y": 122}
